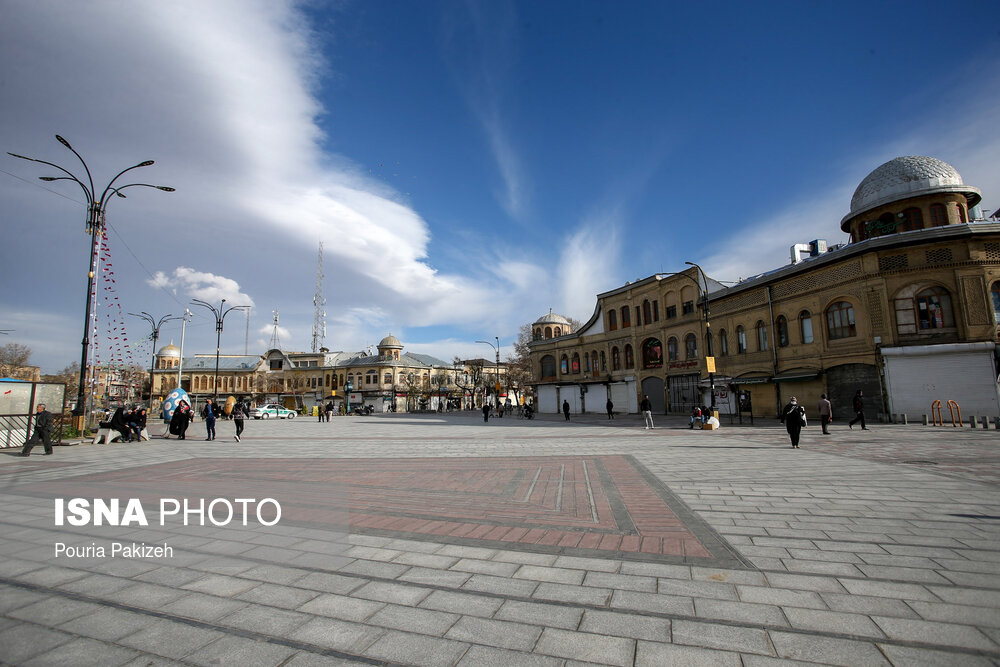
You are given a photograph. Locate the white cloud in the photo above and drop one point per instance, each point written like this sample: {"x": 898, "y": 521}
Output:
{"x": 588, "y": 265}
{"x": 187, "y": 282}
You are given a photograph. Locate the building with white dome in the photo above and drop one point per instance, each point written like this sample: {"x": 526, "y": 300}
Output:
{"x": 907, "y": 312}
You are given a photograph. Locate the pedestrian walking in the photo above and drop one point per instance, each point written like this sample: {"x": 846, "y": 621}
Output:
{"x": 647, "y": 411}
{"x": 794, "y": 417}
{"x": 486, "y": 411}
{"x": 44, "y": 426}
{"x": 566, "y": 409}
{"x": 611, "y": 409}
{"x": 208, "y": 413}
{"x": 180, "y": 420}
{"x": 240, "y": 411}
{"x": 329, "y": 410}
{"x": 825, "y": 413}
{"x": 859, "y": 411}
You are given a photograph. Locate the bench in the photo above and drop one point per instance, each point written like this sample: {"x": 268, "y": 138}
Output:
{"x": 108, "y": 435}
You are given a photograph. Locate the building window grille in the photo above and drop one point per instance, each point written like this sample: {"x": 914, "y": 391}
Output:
{"x": 840, "y": 321}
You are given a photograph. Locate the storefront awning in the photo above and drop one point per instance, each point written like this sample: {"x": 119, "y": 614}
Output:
{"x": 796, "y": 376}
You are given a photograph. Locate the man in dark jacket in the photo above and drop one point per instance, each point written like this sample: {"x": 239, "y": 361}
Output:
{"x": 566, "y": 409}
{"x": 859, "y": 411}
{"x": 44, "y": 426}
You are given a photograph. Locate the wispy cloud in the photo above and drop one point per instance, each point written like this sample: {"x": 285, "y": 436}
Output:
{"x": 187, "y": 282}
{"x": 589, "y": 264}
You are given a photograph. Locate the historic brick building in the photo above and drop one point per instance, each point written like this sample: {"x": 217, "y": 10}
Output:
{"x": 907, "y": 312}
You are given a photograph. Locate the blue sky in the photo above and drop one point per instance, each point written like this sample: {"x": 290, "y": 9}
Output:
{"x": 467, "y": 165}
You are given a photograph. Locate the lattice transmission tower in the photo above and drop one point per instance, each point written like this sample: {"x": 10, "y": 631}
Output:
{"x": 319, "y": 306}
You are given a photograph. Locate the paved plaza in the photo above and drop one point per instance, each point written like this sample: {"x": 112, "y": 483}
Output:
{"x": 441, "y": 540}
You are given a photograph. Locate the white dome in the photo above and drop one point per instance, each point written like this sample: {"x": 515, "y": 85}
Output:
{"x": 906, "y": 177}
{"x": 169, "y": 351}
{"x": 390, "y": 341}
{"x": 552, "y": 318}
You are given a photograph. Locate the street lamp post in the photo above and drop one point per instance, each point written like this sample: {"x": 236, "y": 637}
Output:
{"x": 348, "y": 388}
{"x": 186, "y": 317}
{"x": 95, "y": 226}
{"x": 703, "y": 285}
{"x": 496, "y": 376}
{"x": 156, "y": 335}
{"x": 220, "y": 317}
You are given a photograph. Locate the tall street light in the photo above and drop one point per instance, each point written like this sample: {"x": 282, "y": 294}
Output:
{"x": 156, "y": 335}
{"x": 95, "y": 226}
{"x": 220, "y": 317}
{"x": 710, "y": 357}
{"x": 496, "y": 377}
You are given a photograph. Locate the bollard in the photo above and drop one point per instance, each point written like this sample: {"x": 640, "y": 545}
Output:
{"x": 996, "y": 423}
{"x": 925, "y": 420}
{"x": 985, "y": 421}
{"x": 972, "y": 422}
{"x": 903, "y": 416}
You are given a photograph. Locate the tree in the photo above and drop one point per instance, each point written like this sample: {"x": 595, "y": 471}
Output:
{"x": 70, "y": 376}
{"x": 14, "y": 361}
{"x": 473, "y": 370}
{"x": 520, "y": 374}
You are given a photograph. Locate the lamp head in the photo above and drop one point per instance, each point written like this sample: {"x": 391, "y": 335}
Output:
{"x": 63, "y": 142}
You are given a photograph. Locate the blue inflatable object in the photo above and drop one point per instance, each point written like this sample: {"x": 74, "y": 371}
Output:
{"x": 172, "y": 400}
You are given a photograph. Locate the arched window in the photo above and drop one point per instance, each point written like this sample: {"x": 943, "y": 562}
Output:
{"x": 691, "y": 346}
{"x": 586, "y": 362}
{"x": 652, "y": 353}
{"x": 939, "y": 216}
{"x": 557, "y": 332}
{"x": 910, "y": 219}
{"x": 995, "y": 293}
{"x": 548, "y": 367}
{"x": 629, "y": 357}
{"x": 548, "y": 332}
{"x": 961, "y": 214}
{"x": 604, "y": 362}
{"x": 595, "y": 363}
{"x": 741, "y": 340}
{"x": 538, "y": 333}
{"x": 387, "y": 378}
{"x": 564, "y": 364}
{"x": 616, "y": 360}
{"x": 612, "y": 320}
{"x": 840, "y": 321}
{"x": 806, "y": 326}
{"x": 672, "y": 349}
{"x": 626, "y": 318}
{"x": 782, "y": 326}
{"x": 925, "y": 310}
{"x": 762, "y": 345}
{"x": 723, "y": 343}
{"x": 647, "y": 312}
{"x": 576, "y": 363}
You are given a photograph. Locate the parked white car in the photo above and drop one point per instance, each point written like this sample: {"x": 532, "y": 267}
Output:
{"x": 272, "y": 410}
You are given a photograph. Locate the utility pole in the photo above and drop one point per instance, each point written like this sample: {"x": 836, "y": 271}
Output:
{"x": 319, "y": 303}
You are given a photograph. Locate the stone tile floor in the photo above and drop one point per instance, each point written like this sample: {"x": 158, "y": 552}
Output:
{"x": 440, "y": 540}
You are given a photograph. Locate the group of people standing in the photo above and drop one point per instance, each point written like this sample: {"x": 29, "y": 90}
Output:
{"x": 793, "y": 416}
{"x": 184, "y": 415}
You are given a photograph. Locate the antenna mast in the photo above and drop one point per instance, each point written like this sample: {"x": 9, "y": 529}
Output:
{"x": 319, "y": 315}
{"x": 275, "y": 343}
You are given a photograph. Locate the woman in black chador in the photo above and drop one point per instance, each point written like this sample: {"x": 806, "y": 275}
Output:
{"x": 794, "y": 416}
{"x": 180, "y": 420}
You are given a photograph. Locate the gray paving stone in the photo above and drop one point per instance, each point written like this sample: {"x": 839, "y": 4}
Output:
{"x": 904, "y": 574}
{"x": 923, "y": 657}
{"x": 586, "y": 647}
{"x": 462, "y": 603}
{"x": 664, "y": 570}
{"x": 822, "y": 567}
{"x": 444, "y": 578}
{"x": 371, "y": 568}
{"x": 747, "y": 577}
{"x": 499, "y": 634}
{"x": 336, "y": 634}
{"x": 805, "y": 582}
{"x": 557, "y": 575}
{"x": 888, "y": 589}
{"x": 413, "y": 649}
{"x": 756, "y": 614}
{"x": 627, "y": 582}
{"x": 492, "y": 567}
{"x": 108, "y": 624}
{"x": 170, "y": 639}
{"x": 548, "y": 615}
{"x": 25, "y": 641}
{"x": 972, "y": 596}
{"x": 287, "y": 597}
{"x": 826, "y": 650}
{"x": 590, "y": 564}
{"x": 501, "y": 585}
{"x": 330, "y": 583}
{"x": 832, "y": 621}
{"x": 955, "y": 613}
{"x": 527, "y": 558}
{"x": 652, "y": 602}
{"x": 649, "y": 654}
{"x": 467, "y": 552}
{"x": 426, "y": 560}
{"x": 82, "y": 652}
{"x": 617, "y": 624}
{"x": 264, "y": 620}
{"x": 275, "y": 574}
{"x": 700, "y": 589}
{"x": 203, "y": 607}
{"x": 414, "y": 619}
{"x": 54, "y": 611}
{"x": 341, "y": 606}
{"x": 576, "y": 594}
{"x": 487, "y": 656}
{"x": 394, "y": 593}
{"x": 930, "y": 632}
{"x": 372, "y": 553}
{"x": 723, "y": 637}
{"x": 241, "y": 651}
{"x": 783, "y": 597}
